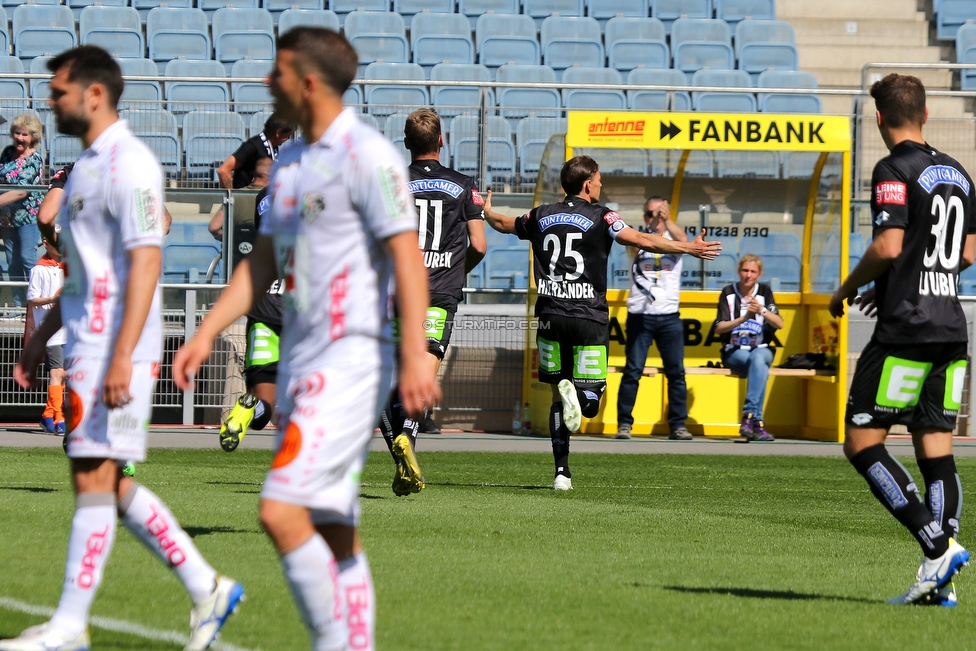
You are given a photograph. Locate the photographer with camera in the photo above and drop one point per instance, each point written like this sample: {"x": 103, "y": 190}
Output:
{"x": 652, "y": 314}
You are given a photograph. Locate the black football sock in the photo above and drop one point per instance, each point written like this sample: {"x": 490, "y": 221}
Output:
{"x": 589, "y": 402}
{"x": 262, "y": 415}
{"x": 896, "y": 490}
{"x": 559, "y": 434}
{"x": 943, "y": 492}
{"x": 411, "y": 427}
{"x": 391, "y": 419}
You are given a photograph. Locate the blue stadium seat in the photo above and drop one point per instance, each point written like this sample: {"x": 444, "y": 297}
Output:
{"x": 732, "y": 11}
{"x": 781, "y": 271}
{"x": 187, "y": 262}
{"x": 242, "y": 34}
{"x": 4, "y": 35}
{"x": 42, "y": 29}
{"x": 452, "y": 100}
{"x": 250, "y": 96}
{"x": 62, "y": 149}
{"x": 718, "y": 102}
{"x": 140, "y": 94}
{"x": 519, "y": 102}
{"x": 77, "y": 6}
{"x": 177, "y": 32}
{"x": 667, "y": 11}
{"x": 700, "y": 164}
{"x": 764, "y": 44}
{"x": 13, "y": 92}
{"x": 586, "y": 99}
{"x": 531, "y": 136}
{"x": 440, "y": 38}
{"x": 474, "y": 9}
{"x": 657, "y": 100}
{"x": 210, "y": 6}
{"x": 539, "y": 10}
{"x": 343, "y": 7}
{"x": 507, "y": 268}
{"x": 386, "y": 99}
{"x": 315, "y": 18}
{"x": 377, "y": 35}
{"x": 366, "y": 118}
{"x": 855, "y": 245}
{"x": 827, "y": 277}
{"x": 747, "y": 164}
{"x": 568, "y": 41}
{"x": 635, "y": 42}
{"x": 354, "y": 97}
{"x": 604, "y": 10}
{"x": 967, "y": 282}
{"x": 773, "y": 244}
{"x": 145, "y": 6}
{"x": 157, "y": 128}
{"x": 464, "y": 134}
{"x": 966, "y": 53}
{"x": 505, "y": 38}
{"x": 951, "y": 14}
{"x": 208, "y": 139}
{"x": 40, "y": 89}
{"x": 183, "y": 96}
{"x": 698, "y": 43}
{"x": 277, "y": 7}
{"x": 189, "y": 233}
{"x": 116, "y": 29}
{"x": 618, "y": 162}
{"x": 799, "y": 165}
{"x": 411, "y": 7}
{"x": 788, "y": 102}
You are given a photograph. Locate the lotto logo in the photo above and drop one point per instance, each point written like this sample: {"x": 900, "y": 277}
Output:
{"x": 891, "y": 193}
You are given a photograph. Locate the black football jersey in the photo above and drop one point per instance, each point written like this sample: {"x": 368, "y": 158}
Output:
{"x": 930, "y": 196}
{"x": 267, "y": 311}
{"x": 446, "y": 201}
{"x": 570, "y": 243}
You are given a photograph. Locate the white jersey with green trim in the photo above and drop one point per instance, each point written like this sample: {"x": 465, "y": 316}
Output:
{"x": 333, "y": 203}
{"x": 113, "y": 203}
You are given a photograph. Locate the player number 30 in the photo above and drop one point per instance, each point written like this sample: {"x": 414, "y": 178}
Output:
{"x": 944, "y": 212}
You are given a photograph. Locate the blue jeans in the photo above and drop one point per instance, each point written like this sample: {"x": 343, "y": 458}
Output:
{"x": 642, "y": 330}
{"x": 754, "y": 366}
{"x": 20, "y": 244}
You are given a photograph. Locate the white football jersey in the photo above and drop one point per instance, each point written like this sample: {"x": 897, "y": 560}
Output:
{"x": 45, "y": 281}
{"x": 112, "y": 203}
{"x": 333, "y": 203}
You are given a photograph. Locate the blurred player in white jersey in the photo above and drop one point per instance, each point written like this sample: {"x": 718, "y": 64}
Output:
{"x": 341, "y": 226}
{"x": 111, "y": 237}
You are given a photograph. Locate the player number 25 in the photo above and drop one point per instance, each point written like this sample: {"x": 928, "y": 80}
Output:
{"x": 553, "y": 240}
{"x": 944, "y": 213}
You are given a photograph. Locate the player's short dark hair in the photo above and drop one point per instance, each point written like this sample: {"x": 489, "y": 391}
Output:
{"x": 274, "y": 124}
{"x": 421, "y": 132}
{"x": 90, "y": 64}
{"x": 900, "y": 100}
{"x": 324, "y": 52}
{"x": 575, "y": 172}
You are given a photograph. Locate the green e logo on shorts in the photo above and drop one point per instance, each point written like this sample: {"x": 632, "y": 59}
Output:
{"x": 262, "y": 346}
{"x": 435, "y": 323}
{"x": 955, "y": 376}
{"x": 549, "y": 357}
{"x": 901, "y": 382}
{"x": 590, "y": 362}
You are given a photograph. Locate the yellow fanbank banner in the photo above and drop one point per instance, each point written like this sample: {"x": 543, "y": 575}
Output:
{"x": 728, "y": 131}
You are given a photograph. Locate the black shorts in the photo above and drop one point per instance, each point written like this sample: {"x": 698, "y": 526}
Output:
{"x": 573, "y": 349}
{"x": 438, "y": 324}
{"x": 261, "y": 362}
{"x": 919, "y": 386}
{"x": 55, "y": 358}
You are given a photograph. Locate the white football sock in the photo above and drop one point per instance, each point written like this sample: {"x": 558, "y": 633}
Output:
{"x": 150, "y": 520}
{"x": 89, "y": 546}
{"x": 356, "y": 586}
{"x": 312, "y": 576}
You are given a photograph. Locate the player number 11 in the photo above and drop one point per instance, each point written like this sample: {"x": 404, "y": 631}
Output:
{"x": 438, "y": 207}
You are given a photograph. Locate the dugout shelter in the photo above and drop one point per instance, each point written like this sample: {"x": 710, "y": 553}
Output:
{"x": 774, "y": 185}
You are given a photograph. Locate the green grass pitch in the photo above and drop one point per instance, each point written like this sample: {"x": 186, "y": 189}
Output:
{"x": 648, "y": 552}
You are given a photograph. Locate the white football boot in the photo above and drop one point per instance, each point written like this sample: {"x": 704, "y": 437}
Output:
{"x": 572, "y": 413}
{"x": 934, "y": 574}
{"x": 209, "y": 616}
{"x": 44, "y": 638}
{"x": 562, "y": 483}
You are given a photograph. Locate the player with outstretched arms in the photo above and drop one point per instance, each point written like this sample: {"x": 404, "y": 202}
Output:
{"x": 912, "y": 370}
{"x": 111, "y": 238}
{"x": 570, "y": 241}
{"x": 452, "y": 238}
{"x": 340, "y": 228}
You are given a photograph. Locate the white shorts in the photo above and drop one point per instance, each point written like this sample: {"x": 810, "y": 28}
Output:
{"x": 95, "y": 431}
{"x": 326, "y": 419}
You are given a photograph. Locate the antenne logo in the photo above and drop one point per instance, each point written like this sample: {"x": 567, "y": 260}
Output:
{"x": 617, "y": 128}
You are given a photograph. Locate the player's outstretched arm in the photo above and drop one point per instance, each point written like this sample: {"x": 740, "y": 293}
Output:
{"x": 25, "y": 371}
{"x": 251, "y": 280}
{"x": 418, "y": 380}
{"x": 48, "y": 212}
{"x": 657, "y": 244}
{"x": 884, "y": 248}
{"x": 498, "y": 221}
{"x": 477, "y": 244}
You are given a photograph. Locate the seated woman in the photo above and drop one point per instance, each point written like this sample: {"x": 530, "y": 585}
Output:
{"x": 746, "y": 338}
